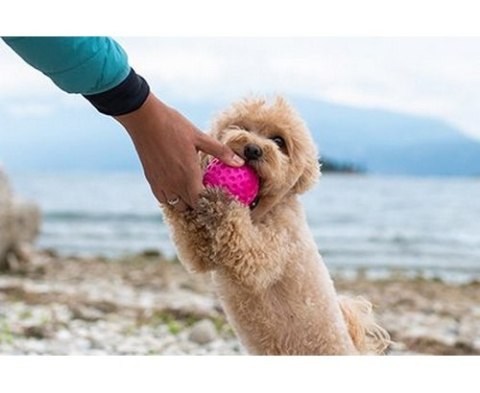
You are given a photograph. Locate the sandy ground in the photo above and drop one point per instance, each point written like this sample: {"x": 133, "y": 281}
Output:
{"x": 145, "y": 305}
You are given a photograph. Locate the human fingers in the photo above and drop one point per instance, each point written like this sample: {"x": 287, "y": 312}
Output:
{"x": 211, "y": 146}
{"x": 168, "y": 197}
{"x": 194, "y": 184}
{"x": 176, "y": 202}
{"x": 160, "y": 195}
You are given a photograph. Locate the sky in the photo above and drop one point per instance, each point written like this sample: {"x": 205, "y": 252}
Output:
{"x": 435, "y": 77}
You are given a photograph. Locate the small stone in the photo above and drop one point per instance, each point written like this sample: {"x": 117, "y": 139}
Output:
{"x": 87, "y": 314}
{"x": 129, "y": 348}
{"x": 82, "y": 344}
{"x": 476, "y": 345}
{"x": 203, "y": 332}
{"x": 37, "y": 331}
{"x": 36, "y": 346}
{"x": 151, "y": 253}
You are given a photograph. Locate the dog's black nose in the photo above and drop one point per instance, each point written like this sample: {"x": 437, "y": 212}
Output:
{"x": 252, "y": 151}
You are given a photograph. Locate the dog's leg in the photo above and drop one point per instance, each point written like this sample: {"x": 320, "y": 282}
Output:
{"x": 191, "y": 239}
{"x": 239, "y": 247}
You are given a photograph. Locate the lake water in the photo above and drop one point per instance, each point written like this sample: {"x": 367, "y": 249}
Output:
{"x": 429, "y": 224}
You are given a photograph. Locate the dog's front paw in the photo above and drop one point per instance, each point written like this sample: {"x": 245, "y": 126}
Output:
{"x": 173, "y": 214}
{"x": 215, "y": 199}
{"x": 215, "y": 204}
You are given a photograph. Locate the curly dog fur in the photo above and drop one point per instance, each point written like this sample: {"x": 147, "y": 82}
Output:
{"x": 272, "y": 282}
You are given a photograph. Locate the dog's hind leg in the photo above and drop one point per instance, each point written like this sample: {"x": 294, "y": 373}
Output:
{"x": 366, "y": 334}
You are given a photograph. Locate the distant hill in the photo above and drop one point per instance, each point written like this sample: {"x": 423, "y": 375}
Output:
{"x": 377, "y": 141}
{"x": 390, "y": 143}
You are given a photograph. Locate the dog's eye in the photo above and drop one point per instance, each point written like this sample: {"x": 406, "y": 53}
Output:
{"x": 240, "y": 126}
{"x": 279, "y": 141}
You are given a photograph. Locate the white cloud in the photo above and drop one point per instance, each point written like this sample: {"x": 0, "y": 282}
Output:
{"x": 18, "y": 79}
{"x": 436, "y": 77}
{"x": 428, "y": 76}
{"x": 25, "y": 91}
{"x": 33, "y": 109}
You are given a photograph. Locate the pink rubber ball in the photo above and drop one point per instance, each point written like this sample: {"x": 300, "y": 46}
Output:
{"x": 241, "y": 182}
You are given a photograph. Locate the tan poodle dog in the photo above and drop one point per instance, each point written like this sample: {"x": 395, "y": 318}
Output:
{"x": 272, "y": 282}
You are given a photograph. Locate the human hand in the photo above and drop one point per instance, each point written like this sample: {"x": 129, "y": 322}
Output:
{"x": 167, "y": 145}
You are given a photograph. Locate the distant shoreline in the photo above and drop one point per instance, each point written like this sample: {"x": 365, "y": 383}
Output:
{"x": 447, "y": 275}
{"x": 332, "y": 166}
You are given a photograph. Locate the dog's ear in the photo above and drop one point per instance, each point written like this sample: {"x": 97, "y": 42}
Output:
{"x": 309, "y": 176}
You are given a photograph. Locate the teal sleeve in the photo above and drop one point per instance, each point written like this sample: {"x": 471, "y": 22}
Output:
{"x": 84, "y": 65}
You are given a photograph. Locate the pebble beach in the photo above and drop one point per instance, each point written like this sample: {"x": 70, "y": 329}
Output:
{"x": 147, "y": 305}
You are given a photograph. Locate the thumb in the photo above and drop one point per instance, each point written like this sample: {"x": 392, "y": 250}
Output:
{"x": 211, "y": 146}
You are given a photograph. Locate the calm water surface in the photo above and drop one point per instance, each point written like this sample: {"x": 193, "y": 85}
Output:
{"x": 358, "y": 221}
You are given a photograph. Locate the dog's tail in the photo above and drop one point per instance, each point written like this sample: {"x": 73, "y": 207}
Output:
{"x": 367, "y": 335}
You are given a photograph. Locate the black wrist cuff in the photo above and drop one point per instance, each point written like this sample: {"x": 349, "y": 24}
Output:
{"x": 124, "y": 98}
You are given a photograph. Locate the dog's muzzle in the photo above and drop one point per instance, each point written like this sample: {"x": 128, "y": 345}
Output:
{"x": 252, "y": 152}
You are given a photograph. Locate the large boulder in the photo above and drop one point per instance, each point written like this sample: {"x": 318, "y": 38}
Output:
{"x": 19, "y": 226}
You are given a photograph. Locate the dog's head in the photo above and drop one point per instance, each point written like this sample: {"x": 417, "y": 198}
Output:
{"x": 275, "y": 142}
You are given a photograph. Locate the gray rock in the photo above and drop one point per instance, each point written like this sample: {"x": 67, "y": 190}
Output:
{"x": 27, "y": 220}
{"x": 19, "y": 226}
{"x": 203, "y": 332}
{"x": 5, "y": 218}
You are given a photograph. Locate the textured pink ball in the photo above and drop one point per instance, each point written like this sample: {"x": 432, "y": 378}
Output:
{"x": 242, "y": 182}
